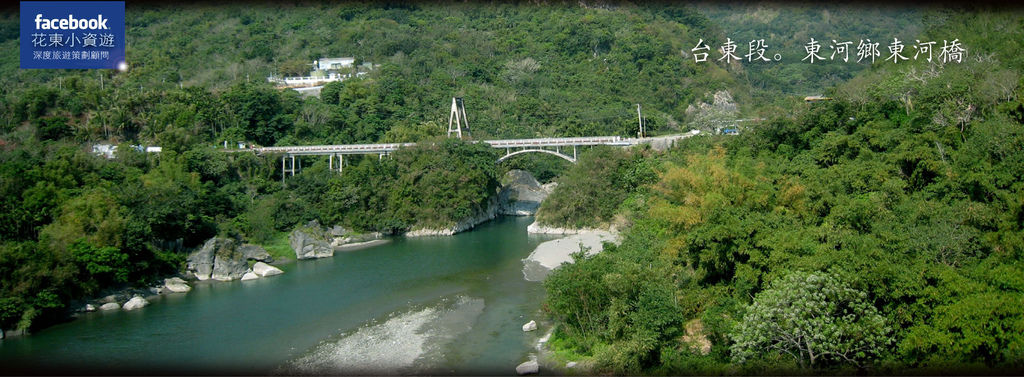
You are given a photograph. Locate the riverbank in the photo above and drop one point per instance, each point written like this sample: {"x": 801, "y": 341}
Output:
{"x": 462, "y": 298}
{"x": 551, "y": 254}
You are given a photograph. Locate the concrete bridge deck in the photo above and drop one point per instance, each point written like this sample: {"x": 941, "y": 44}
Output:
{"x": 323, "y": 150}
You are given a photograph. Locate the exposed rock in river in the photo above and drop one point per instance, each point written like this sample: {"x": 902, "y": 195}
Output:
{"x": 310, "y": 242}
{"x": 255, "y": 252}
{"x": 110, "y": 306}
{"x": 529, "y": 367}
{"x": 530, "y": 326}
{"x": 222, "y": 259}
{"x": 176, "y": 285}
{"x": 263, "y": 270}
{"x": 136, "y": 302}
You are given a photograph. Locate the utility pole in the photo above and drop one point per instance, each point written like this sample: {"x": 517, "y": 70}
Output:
{"x": 640, "y": 121}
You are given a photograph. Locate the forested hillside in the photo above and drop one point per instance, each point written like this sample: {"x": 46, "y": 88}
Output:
{"x": 524, "y": 70}
{"x": 881, "y": 232}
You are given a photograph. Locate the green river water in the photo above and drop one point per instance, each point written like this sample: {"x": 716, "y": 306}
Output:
{"x": 435, "y": 305}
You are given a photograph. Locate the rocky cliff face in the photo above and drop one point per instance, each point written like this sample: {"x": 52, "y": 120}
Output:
{"x": 709, "y": 115}
{"x": 223, "y": 259}
{"x": 488, "y": 213}
{"x": 521, "y": 194}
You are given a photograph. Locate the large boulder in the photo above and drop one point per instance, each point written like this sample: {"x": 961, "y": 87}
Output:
{"x": 255, "y": 252}
{"x": 264, "y": 270}
{"x": 176, "y": 285}
{"x": 136, "y": 302}
{"x": 223, "y": 259}
{"x": 530, "y": 326}
{"x": 200, "y": 262}
{"x": 529, "y": 367}
{"x": 110, "y": 306}
{"x": 250, "y": 276}
{"x": 229, "y": 263}
{"x": 310, "y": 242}
{"x": 338, "y": 231}
{"x": 520, "y": 194}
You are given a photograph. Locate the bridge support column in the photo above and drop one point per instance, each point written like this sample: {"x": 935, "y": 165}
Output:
{"x": 341, "y": 161}
{"x": 573, "y": 152}
{"x": 285, "y": 168}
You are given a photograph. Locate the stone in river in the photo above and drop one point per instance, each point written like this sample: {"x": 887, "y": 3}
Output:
{"x": 530, "y": 326}
{"x": 529, "y": 367}
{"x": 110, "y": 306}
{"x": 264, "y": 270}
{"x": 135, "y": 303}
{"x": 176, "y": 285}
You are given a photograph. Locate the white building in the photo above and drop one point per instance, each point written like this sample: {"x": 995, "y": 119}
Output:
{"x": 327, "y": 64}
{"x": 325, "y": 70}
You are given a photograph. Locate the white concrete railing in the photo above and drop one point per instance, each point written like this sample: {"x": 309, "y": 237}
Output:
{"x": 388, "y": 148}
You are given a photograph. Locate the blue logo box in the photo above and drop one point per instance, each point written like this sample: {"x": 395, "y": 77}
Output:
{"x": 72, "y": 34}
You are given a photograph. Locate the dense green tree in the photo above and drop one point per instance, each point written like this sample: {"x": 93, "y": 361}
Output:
{"x": 815, "y": 318}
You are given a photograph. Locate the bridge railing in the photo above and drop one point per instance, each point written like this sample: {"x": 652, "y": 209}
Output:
{"x": 554, "y": 141}
{"x": 331, "y": 149}
{"x": 387, "y": 148}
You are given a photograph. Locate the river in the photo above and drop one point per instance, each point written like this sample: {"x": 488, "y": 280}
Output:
{"x": 435, "y": 305}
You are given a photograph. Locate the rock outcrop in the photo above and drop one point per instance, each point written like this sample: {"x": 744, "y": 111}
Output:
{"x": 263, "y": 270}
{"x": 222, "y": 259}
{"x": 311, "y": 242}
{"x": 250, "y": 276}
{"x": 521, "y": 194}
{"x": 136, "y": 302}
{"x": 110, "y": 306}
{"x": 529, "y": 367}
{"x": 488, "y": 213}
{"x": 255, "y": 252}
{"x": 176, "y": 285}
{"x": 711, "y": 117}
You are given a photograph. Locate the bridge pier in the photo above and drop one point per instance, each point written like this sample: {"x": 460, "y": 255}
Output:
{"x": 285, "y": 169}
{"x": 341, "y": 162}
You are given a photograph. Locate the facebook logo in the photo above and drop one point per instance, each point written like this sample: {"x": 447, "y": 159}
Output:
{"x": 72, "y": 34}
